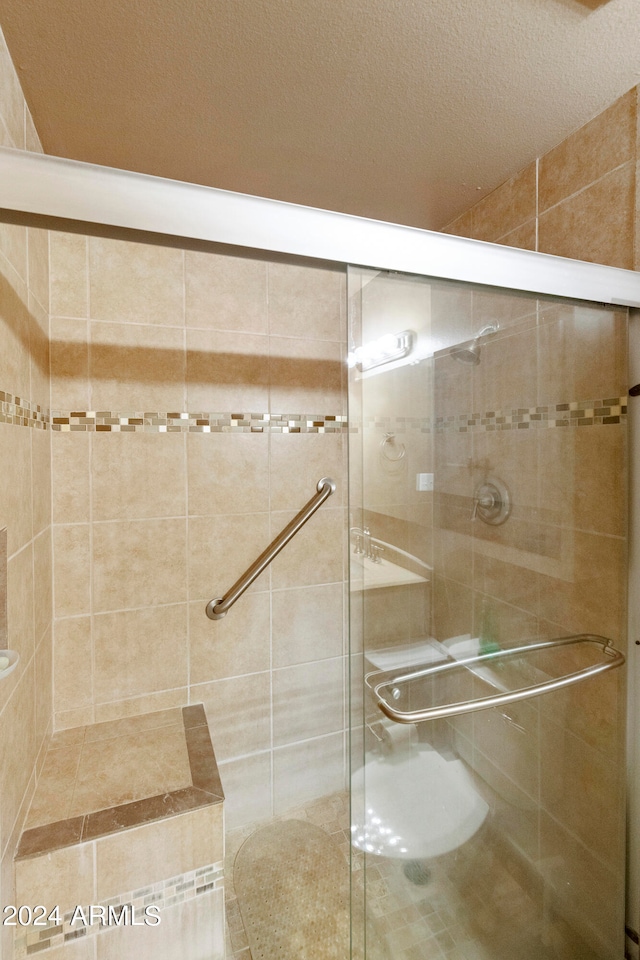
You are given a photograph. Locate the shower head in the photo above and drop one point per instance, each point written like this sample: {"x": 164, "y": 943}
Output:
{"x": 469, "y": 352}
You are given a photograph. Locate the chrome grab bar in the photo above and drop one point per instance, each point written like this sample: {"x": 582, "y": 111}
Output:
{"x": 614, "y": 659}
{"x": 216, "y": 609}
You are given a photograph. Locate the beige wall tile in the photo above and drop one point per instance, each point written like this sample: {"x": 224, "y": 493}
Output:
{"x": 82, "y": 949}
{"x": 298, "y": 462}
{"x": 588, "y": 154}
{"x": 63, "y": 877}
{"x": 306, "y": 301}
{"x": 38, "y": 265}
{"x": 20, "y": 602}
{"x": 600, "y": 502}
{"x": 596, "y": 224}
{"x": 577, "y": 786}
{"x": 70, "y": 387}
{"x": 12, "y": 98}
{"x": 228, "y": 473}
{"x": 136, "y": 725}
{"x": 8, "y": 892}
{"x": 462, "y": 226}
{"x": 307, "y": 624}
{"x": 453, "y": 554}
{"x": 226, "y": 373}
{"x": 247, "y": 790}
{"x": 69, "y": 274}
{"x": 13, "y": 244}
{"x": 72, "y": 569}
{"x": 41, "y": 484}
{"x": 72, "y": 669}
{"x": 452, "y": 608}
{"x": 138, "y": 476}
{"x": 67, "y": 719}
{"x": 15, "y": 331}
{"x": 189, "y": 930}
{"x": 136, "y": 283}
{"x": 581, "y": 355}
{"x": 236, "y": 645}
{"x": 591, "y": 888}
{"x": 158, "y": 851}
{"x": 137, "y": 367}
{"x": 220, "y": 549}
{"x": 138, "y": 562}
{"x": 43, "y": 582}
{"x": 152, "y": 642}
{"x": 594, "y": 712}
{"x": 305, "y": 771}
{"x": 32, "y": 140}
{"x": 226, "y": 293}
{"x": 40, "y": 364}
{"x": 147, "y": 703}
{"x": 308, "y": 701}
{"x": 315, "y": 555}
{"x": 512, "y": 746}
{"x": 52, "y": 798}
{"x": 18, "y": 750}
{"x": 524, "y": 237}
{"x": 591, "y": 598}
{"x": 70, "y": 465}
{"x": 44, "y": 687}
{"x": 238, "y": 711}
{"x": 509, "y": 206}
{"x": 507, "y": 375}
{"x": 305, "y": 376}
{"x": 16, "y": 511}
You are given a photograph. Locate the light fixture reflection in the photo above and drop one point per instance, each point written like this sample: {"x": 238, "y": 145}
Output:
{"x": 386, "y": 349}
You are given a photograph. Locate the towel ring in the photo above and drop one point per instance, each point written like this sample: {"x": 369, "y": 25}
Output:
{"x": 390, "y": 438}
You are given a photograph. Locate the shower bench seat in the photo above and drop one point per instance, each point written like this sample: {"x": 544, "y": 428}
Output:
{"x": 124, "y": 838}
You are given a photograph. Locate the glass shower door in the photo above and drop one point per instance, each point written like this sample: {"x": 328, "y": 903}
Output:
{"x": 487, "y": 522}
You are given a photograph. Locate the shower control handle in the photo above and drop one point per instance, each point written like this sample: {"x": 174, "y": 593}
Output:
{"x": 491, "y": 502}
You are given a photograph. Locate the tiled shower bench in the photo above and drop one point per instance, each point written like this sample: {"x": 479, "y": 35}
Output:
{"x": 127, "y": 815}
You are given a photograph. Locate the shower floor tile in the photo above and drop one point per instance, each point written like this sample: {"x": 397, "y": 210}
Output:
{"x": 462, "y": 913}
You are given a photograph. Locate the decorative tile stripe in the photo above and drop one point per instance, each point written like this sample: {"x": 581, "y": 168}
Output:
{"x": 576, "y": 413}
{"x": 21, "y": 412}
{"x": 105, "y": 421}
{"x": 166, "y": 893}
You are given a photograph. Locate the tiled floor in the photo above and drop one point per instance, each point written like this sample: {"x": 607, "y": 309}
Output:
{"x": 468, "y": 910}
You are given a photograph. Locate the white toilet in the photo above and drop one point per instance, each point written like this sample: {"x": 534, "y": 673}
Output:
{"x": 414, "y": 806}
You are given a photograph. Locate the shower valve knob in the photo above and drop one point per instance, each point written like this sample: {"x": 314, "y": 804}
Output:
{"x": 491, "y": 502}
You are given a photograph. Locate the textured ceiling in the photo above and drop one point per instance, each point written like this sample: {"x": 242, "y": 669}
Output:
{"x": 403, "y": 110}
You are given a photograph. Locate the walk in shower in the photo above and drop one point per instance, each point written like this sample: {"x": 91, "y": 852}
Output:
{"x": 487, "y": 542}
{"x": 412, "y": 722}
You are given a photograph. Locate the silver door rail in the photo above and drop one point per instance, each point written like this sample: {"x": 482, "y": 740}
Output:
{"x": 612, "y": 658}
{"x": 217, "y": 609}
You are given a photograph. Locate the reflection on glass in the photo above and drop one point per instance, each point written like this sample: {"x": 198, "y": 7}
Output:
{"x": 487, "y": 513}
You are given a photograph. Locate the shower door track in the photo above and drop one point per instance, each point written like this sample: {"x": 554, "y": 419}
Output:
{"x": 69, "y": 195}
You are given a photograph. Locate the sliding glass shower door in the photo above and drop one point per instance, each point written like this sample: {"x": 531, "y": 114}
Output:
{"x": 488, "y": 617}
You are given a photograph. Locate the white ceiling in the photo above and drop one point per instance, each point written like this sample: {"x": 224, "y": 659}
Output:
{"x": 402, "y": 110}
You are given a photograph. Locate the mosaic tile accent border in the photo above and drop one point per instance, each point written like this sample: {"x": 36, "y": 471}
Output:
{"x": 575, "y": 413}
{"x": 21, "y": 412}
{"x": 105, "y": 421}
{"x": 124, "y": 908}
